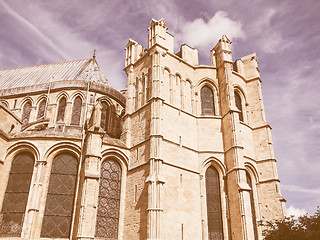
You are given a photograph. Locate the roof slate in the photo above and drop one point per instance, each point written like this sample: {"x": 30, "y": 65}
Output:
{"x": 86, "y": 69}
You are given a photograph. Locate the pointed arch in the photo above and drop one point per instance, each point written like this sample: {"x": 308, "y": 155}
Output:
{"x": 207, "y": 101}
{"x": 252, "y": 204}
{"x": 105, "y": 115}
{"x": 62, "y": 109}
{"x": 108, "y": 214}
{"x": 16, "y": 195}
{"x": 214, "y": 208}
{"x": 41, "y": 108}
{"x": 240, "y": 102}
{"x": 26, "y": 111}
{"x": 60, "y": 197}
{"x": 76, "y": 111}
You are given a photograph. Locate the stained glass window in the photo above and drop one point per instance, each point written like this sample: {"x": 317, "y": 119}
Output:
{"x": 214, "y": 212}
{"x": 104, "y": 115}
{"x": 60, "y": 197}
{"x": 109, "y": 200}
{"x": 42, "y": 108}
{"x": 61, "y": 109}
{"x": 16, "y": 195}
{"x": 76, "y": 111}
{"x": 238, "y": 104}
{"x": 26, "y": 112}
{"x": 253, "y": 212}
{"x": 207, "y": 103}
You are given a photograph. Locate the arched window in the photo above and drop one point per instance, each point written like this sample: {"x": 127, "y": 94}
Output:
{"x": 238, "y": 104}
{"x": 16, "y": 195}
{"x": 214, "y": 212}
{"x": 105, "y": 112}
{"x": 207, "y": 101}
{"x": 60, "y": 197}
{"x": 253, "y": 211}
{"x": 109, "y": 200}
{"x": 76, "y": 111}
{"x": 26, "y": 113}
{"x": 41, "y": 109}
{"x": 61, "y": 109}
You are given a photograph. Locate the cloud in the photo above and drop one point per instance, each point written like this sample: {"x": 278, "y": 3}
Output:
{"x": 204, "y": 35}
{"x": 294, "y": 188}
{"x": 267, "y": 33}
{"x": 296, "y": 212}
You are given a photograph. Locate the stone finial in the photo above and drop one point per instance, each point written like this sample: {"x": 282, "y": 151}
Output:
{"x": 222, "y": 50}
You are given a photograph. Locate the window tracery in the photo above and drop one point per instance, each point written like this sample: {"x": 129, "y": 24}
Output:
{"x": 214, "y": 212}
{"x": 109, "y": 200}
{"x": 60, "y": 197}
{"x": 76, "y": 111}
{"x": 16, "y": 195}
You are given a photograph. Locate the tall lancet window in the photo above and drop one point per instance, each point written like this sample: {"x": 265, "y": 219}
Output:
{"x": 238, "y": 104}
{"x": 26, "y": 112}
{"x": 253, "y": 211}
{"x": 207, "y": 101}
{"x": 214, "y": 212}
{"x": 109, "y": 200}
{"x": 60, "y": 197}
{"x": 61, "y": 109}
{"x": 76, "y": 111}
{"x": 16, "y": 195}
{"x": 105, "y": 112}
{"x": 41, "y": 109}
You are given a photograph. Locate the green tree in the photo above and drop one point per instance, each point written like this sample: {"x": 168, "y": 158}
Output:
{"x": 303, "y": 228}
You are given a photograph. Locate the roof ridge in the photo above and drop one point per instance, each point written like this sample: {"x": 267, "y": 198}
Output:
{"x": 86, "y": 59}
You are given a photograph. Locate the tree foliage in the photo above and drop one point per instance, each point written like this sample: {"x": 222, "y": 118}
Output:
{"x": 303, "y": 228}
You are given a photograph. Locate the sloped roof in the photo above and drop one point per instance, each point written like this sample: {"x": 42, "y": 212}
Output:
{"x": 86, "y": 69}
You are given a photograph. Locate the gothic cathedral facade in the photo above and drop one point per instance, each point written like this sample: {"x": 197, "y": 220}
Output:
{"x": 183, "y": 153}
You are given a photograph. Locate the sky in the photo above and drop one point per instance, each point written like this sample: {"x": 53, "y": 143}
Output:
{"x": 284, "y": 34}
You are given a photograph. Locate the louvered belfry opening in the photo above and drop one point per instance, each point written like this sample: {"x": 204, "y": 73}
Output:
{"x": 207, "y": 101}
{"x": 214, "y": 212}
{"x": 109, "y": 200}
{"x": 60, "y": 198}
{"x": 16, "y": 195}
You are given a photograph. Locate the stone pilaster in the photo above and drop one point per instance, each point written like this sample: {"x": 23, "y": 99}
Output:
{"x": 32, "y": 214}
{"x": 155, "y": 180}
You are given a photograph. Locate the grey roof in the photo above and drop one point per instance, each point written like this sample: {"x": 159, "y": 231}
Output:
{"x": 86, "y": 69}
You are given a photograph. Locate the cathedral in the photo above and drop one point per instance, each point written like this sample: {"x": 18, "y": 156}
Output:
{"x": 183, "y": 153}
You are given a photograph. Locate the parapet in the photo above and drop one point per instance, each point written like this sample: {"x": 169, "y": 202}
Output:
{"x": 189, "y": 54}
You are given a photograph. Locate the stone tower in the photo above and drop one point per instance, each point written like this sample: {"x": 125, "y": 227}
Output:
{"x": 202, "y": 164}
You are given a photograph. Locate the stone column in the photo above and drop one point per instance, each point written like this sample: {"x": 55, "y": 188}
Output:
{"x": 241, "y": 226}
